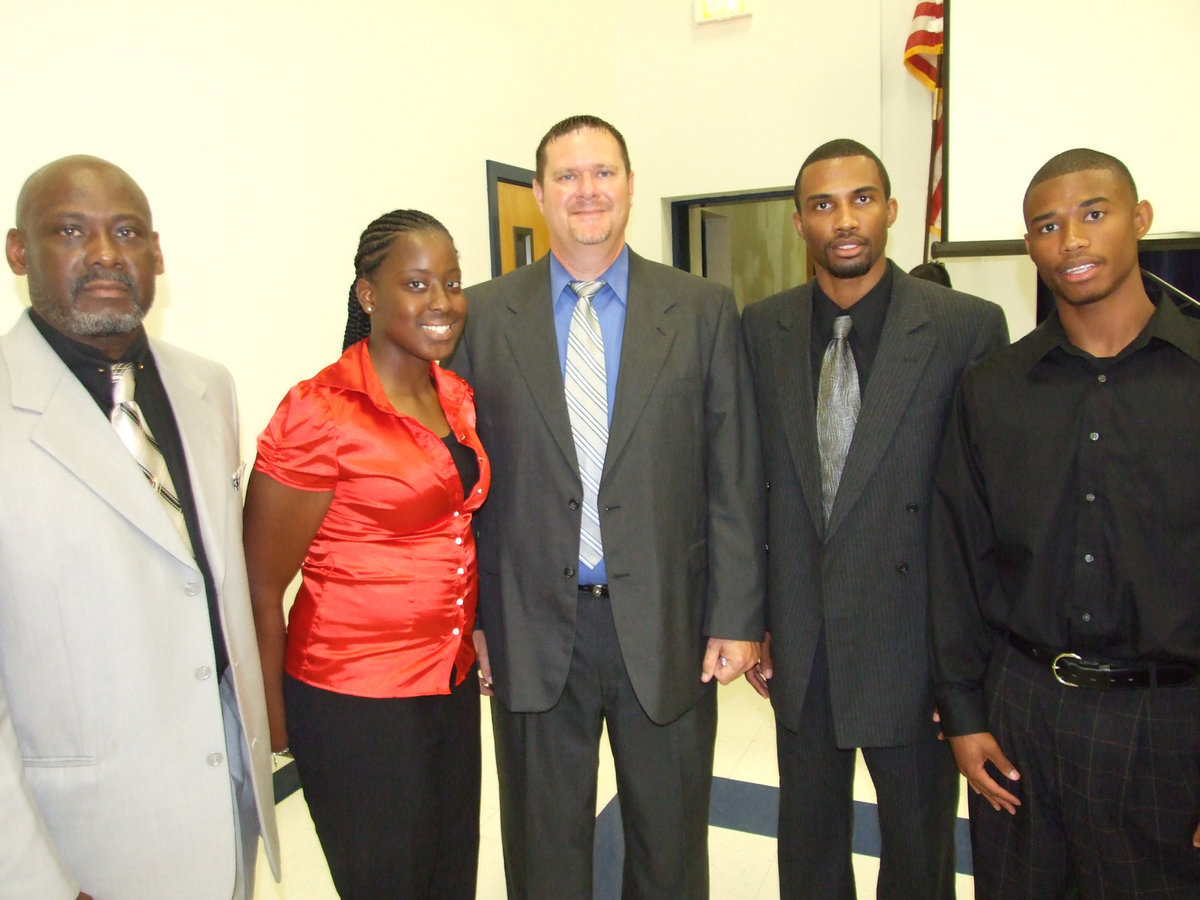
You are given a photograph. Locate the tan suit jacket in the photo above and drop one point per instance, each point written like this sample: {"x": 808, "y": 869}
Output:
{"x": 114, "y": 773}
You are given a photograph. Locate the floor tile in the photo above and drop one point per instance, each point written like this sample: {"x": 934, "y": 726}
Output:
{"x": 742, "y": 854}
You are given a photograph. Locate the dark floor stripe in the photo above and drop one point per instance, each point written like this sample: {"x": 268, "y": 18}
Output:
{"x": 736, "y": 805}
{"x": 742, "y": 806}
{"x": 287, "y": 781}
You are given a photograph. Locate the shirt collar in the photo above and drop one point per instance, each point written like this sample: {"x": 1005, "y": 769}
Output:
{"x": 76, "y": 354}
{"x": 353, "y": 372}
{"x": 615, "y": 278}
{"x": 1167, "y": 324}
{"x": 867, "y": 314}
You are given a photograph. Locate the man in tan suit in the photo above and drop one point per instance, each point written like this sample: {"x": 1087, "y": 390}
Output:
{"x": 134, "y": 757}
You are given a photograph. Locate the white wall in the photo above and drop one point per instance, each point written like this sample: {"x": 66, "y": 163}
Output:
{"x": 268, "y": 133}
{"x": 1030, "y": 79}
{"x": 1033, "y": 78}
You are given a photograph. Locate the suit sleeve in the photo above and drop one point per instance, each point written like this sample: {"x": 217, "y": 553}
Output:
{"x": 962, "y": 573}
{"x": 736, "y": 497}
{"x": 750, "y": 342}
{"x": 30, "y": 865}
{"x": 992, "y": 336}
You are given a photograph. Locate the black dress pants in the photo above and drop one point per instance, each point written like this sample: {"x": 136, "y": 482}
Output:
{"x": 916, "y": 788}
{"x": 547, "y": 764}
{"x": 393, "y": 788}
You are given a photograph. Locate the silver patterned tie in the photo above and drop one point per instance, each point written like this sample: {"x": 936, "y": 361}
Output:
{"x": 135, "y": 434}
{"x": 838, "y": 403}
{"x": 587, "y": 403}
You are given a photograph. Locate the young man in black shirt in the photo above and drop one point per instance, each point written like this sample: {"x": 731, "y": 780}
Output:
{"x": 1064, "y": 590}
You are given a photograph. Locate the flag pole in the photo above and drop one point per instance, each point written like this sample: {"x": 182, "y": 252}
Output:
{"x": 931, "y": 178}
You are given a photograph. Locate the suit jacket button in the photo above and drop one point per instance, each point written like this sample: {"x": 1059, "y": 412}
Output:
{"x": 569, "y": 572}
{"x": 573, "y": 503}
{"x": 911, "y": 507}
{"x": 902, "y": 568}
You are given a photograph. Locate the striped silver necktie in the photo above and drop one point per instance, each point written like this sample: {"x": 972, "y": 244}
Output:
{"x": 587, "y": 403}
{"x": 838, "y": 403}
{"x": 135, "y": 434}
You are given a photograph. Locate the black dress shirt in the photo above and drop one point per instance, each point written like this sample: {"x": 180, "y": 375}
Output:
{"x": 867, "y": 316}
{"x": 94, "y": 371}
{"x": 1067, "y": 506}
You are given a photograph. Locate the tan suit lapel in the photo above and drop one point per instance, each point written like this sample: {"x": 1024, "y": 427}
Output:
{"x": 201, "y": 430}
{"x": 74, "y": 431}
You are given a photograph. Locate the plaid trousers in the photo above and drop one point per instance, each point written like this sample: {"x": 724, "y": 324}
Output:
{"x": 1109, "y": 789}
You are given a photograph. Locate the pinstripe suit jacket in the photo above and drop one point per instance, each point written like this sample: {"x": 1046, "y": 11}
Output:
{"x": 864, "y": 577}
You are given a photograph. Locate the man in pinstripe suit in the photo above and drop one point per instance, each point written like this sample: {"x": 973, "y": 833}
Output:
{"x": 847, "y": 664}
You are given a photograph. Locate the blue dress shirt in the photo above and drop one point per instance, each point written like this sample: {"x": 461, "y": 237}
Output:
{"x": 609, "y": 302}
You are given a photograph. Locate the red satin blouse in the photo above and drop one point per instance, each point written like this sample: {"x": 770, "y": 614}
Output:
{"x": 387, "y": 601}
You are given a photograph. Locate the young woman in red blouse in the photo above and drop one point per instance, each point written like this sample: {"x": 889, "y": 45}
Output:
{"x": 366, "y": 482}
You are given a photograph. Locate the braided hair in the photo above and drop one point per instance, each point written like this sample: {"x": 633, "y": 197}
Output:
{"x": 373, "y": 246}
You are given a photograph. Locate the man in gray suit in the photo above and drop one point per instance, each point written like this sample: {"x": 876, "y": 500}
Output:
{"x": 134, "y": 753}
{"x": 846, "y": 663}
{"x": 628, "y": 623}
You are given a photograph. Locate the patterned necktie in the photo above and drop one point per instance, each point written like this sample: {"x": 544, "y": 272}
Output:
{"x": 135, "y": 434}
{"x": 837, "y": 410}
{"x": 587, "y": 403}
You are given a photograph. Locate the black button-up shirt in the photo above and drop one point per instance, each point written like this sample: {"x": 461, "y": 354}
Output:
{"x": 1067, "y": 506}
{"x": 94, "y": 371}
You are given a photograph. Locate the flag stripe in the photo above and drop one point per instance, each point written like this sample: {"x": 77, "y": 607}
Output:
{"x": 926, "y": 43}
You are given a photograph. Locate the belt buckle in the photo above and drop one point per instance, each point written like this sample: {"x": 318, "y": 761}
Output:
{"x": 1054, "y": 668}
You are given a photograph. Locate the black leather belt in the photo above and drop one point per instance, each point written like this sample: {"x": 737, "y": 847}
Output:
{"x": 596, "y": 590}
{"x": 1074, "y": 670}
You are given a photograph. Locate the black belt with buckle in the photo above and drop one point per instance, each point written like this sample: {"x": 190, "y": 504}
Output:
{"x": 596, "y": 590}
{"x": 1074, "y": 670}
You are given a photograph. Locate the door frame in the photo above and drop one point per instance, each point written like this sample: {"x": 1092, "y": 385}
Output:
{"x": 498, "y": 172}
{"x": 681, "y": 252}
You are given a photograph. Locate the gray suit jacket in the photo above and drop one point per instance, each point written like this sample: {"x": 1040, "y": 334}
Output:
{"x": 864, "y": 578}
{"x": 113, "y": 770}
{"x": 680, "y": 498}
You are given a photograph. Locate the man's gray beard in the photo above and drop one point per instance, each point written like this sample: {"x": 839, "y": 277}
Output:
{"x": 89, "y": 324}
{"x": 95, "y": 324}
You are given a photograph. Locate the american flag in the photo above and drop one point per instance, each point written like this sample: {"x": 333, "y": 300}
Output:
{"x": 923, "y": 55}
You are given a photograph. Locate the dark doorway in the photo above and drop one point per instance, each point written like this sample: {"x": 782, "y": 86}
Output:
{"x": 745, "y": 241}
